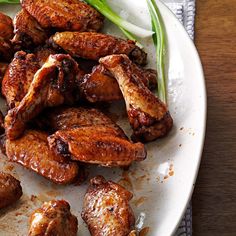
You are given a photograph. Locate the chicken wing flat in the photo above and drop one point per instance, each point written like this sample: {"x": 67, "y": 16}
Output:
{"x": 65, "y": 118}
{"x": 148, "y": 116}
{"x": 106, "y": 208}
{"x": 63, "y": 15}
{"x": 101, "y": 86}
{"x": 32, "y": 151}
{"x": 54, "y": 84}
{"x": 28, "y": 32}
{"x": 6, "y": 33}
{"x": 96, "y": 145}
{"x": 53, "y": 218}
{"x": 91, "y": 45}
{"x": 18, "y": 77}
{"x": 10, "y": 190}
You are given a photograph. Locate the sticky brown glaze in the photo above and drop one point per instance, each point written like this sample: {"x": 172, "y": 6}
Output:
{"x": 53, "y": 218}
{"x": 6, "y": 33}
{"x": 106, "y": 208}
{"x": 148, "y": 116}
{"x": 96, "y": 145}
{"x": 10, "y": 190}
{"x": 54, "y": 84}
{"x": 18, "y": 77}
{"x": 101, "y": 86}
{"x": 90, "y": 45}
{"x": 28, "y": 32}
{"x": 62, "y": 15}
{"x": 32, "y": 151}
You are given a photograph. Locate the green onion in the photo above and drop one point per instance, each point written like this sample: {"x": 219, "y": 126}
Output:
{"x": 103, "y": 7}
{"x": 159, "y": 39}
{"x": 10, "y": 1}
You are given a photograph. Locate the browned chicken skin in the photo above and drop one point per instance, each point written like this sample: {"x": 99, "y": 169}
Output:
{"x": 54, "y": 84}
{"x": 6, "y": 33}
{"x": 42, "y": 53}
{"x": 3, "y": 68}
{"x": 101, "y": 86}
{"x": 10, "y": 190}
{"x": 28, "y": 32}
{"x": 106, "y": 208}
{"x": 53, "y": 219}
{"x": 64, "y": 15}
{"x": 18, "y": 77}
{"x": 32, "y": 151}
{"x": 90, "y": 45}
{"x": 96, "y": 145}
{"x": 148, "y": 116}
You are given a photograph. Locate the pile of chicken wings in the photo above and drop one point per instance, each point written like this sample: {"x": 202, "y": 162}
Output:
{"x": 55, "y": 67}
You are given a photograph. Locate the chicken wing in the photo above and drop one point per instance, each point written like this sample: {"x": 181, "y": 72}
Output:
{"x": 100, "y": 144}
{"x": 62, "y": 15}
{"x": 53, "y": 218}
{"x": 52, "y": 85}
{"x": 106, "y": 208}
{"x": 101, "y": 86}
{"x": 10, "y": 190}
{"x": 28, "y": 32}
{"x": 6, "y": 33}
{"x": 18, "y": 77}
{"x": 91, "y": 45}
{"x": 32, "y": 151}
{"x": 148, "y": 116}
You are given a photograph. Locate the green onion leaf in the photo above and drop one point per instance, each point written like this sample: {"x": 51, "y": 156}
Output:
{"x": 103, "y": 7}
{"x": 159, "y": 39}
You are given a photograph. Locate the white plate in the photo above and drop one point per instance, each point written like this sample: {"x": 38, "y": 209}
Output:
{"x": 162, "y": 200}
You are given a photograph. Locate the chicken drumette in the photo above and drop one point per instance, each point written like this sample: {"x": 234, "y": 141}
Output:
{"x": 91, "y": 45}
{"x": 52, "y": 85}
{"x": 6, "y": 34}
{"x": 148, "y": 116}
{"x": 63, "y": 15}
{"x": 53, "y": 218}
{"x": 10, "y": 190}
{"x": 27, "y": 30}
{"x": 106, "y": 208}
{"x": 32, "y": 151}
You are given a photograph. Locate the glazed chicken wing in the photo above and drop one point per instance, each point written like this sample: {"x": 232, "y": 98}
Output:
{"x": 54, "y": 84}
{"x": 18, "y": 77}
{"x": 101, "y": 86}
{"x": 148, "y": 116}
{"x": 62, "y": 15}
{"x": 106, "y": 208}
{"x": 100, "y": 144}
{"x": 53, "y": 218}
{"x": 28, "y": 32}
{"x": 10, "y": 190}
{"x": 6, "y": 33}
{"x": 32, "y": 151}
{"x": 90, "y": 45}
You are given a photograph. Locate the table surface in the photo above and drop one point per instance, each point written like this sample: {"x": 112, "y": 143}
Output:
{"x": 214, "y": 199}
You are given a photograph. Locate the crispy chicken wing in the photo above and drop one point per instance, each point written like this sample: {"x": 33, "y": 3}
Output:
{"x": 53, "y": 218}
{"x": 101, "y": 86}
{"x": 32, "y": 151}
{"x": 106, "y": 208}
{"x": 148, "y": 116}
{"x": 64, "y": 15}
{"x": 99, "y": 144}
{"x": 6, "y": 33}
{"x": 18, "y": 77}
{"x": 10, "y": 190}
{"x": 54, "y": 84}
{"x": 92, "y": 46}
{"x": 28, "y": 32}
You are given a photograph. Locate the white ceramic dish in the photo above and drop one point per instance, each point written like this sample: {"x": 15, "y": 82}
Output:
{"x": 163, "y": 200}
